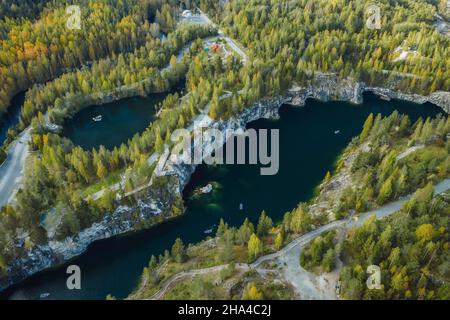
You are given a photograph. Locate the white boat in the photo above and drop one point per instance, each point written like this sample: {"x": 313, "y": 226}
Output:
{"x": 241, "y": 206}
{"x": 337, "y": 132}
{"x": 97, "y": 118}
{"x": 384, "y": 97}
{"x": 44, "y": 295}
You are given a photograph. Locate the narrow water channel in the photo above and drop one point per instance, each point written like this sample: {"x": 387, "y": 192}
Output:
{"x": 309, "y": 146}
{"x": 11, "y": 118}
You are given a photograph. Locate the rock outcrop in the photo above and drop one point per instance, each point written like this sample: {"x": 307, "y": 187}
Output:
{"x": 265, "y": 109}
{"x": 327, "y": 87}
{"x": 152, "y": 206}
{"x": 439, "y": 98}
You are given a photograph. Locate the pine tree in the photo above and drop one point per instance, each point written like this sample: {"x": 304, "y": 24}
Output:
{"x": 328, "y": 261}
{"x": 279, "y": 241}
{"x": 366, "y": 128}
{"x": 251, "y": 292}
{"x": 255, "y": 246}
{"x": 418, "y": 130}
{"x": 385, "y": 192}
{"x": 101, "y": 170}
{"x": 264, "y": 224}
{"x": 159, "y": 143}
{"x": 244, "y": 232}
{"x": 178, "y": 251}
{"x": 222, "y": 228}
{"x": 327, "y": 177}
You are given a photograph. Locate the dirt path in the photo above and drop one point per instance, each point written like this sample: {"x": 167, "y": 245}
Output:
{"x": 191, "y": 273}
{"x": 410, "y": 150}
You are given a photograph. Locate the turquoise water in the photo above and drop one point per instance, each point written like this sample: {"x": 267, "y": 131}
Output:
{"x": 121, "y": 120}
{"x": 11, "y": 117}
{"x": 308, "y": 148}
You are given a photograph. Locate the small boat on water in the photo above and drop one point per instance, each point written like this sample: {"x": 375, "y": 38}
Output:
{"x": 337, "y": 132}
{"x": 384, "y": 97}
{"x": 97, "y": 118}
{"x": 44, "y": 295}
{"x": 241, "y": 206}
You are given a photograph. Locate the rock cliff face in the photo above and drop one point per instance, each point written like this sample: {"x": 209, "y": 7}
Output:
{"x": 266, "y": 109}
{"x": 151, "y": 208}
{"x": 327, "y": 87}
{"x": 439, "y": 98}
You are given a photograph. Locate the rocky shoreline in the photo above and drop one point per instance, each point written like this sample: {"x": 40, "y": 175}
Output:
{"x": 156, "y": 207}
{"x": 326, "y": 87}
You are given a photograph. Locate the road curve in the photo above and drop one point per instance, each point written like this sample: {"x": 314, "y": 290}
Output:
{"x": 184, "y": 274}
{"x": 11, "y": 170}
{"x": 302, "y": 240}
{"x": 380, "y": 213}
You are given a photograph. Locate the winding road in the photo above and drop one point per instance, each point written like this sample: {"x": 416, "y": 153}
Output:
{"x": 299, "y": 242}
{"x": 11, "y": 170}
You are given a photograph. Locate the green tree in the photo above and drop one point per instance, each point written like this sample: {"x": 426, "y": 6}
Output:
{"x": 366, "y": 128}
{"x": 425, "y": 232}
{"x": 385, "y": 192}
{"x": 178, "y": 251}
{"x": 327, "y": 177}
{"x": 279, "y": 241}
{"x": 244, "y": 232}
{"x": 159, "y": 143}
{"x": 264, "y": 224}
{"x": 251, "y": 292}
{"x": 222, "y": 228}
{"x": 255, "y": 246}
{"x": 328, "y": 261}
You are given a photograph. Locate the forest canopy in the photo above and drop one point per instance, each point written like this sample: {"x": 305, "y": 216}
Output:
{"x": 128, "y": 48}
